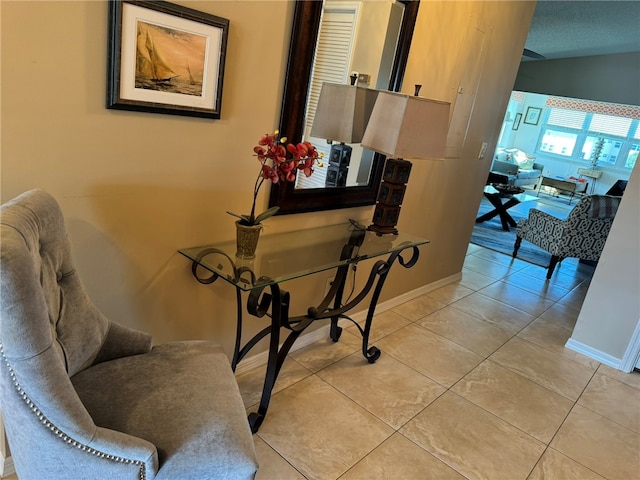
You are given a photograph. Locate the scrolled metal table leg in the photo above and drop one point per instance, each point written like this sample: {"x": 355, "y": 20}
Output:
{"x": 381, "y": 269}
{"x": 236, "y": 347}
{"x": 255, "y": 420}
{"x": 202, "y": 280}
{"x": 333, "y": 295}
{"x": 336, "y": 331}
{"x": 258, "y": 305}
{"x": 372, "y": 354}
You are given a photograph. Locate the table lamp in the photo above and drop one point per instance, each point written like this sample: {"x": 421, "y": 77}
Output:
{"x": 341, "y": 116}
{"x": 400, "y": 127}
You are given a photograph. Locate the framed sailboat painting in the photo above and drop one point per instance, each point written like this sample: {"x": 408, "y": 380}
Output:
{"x": 165, "y": 58}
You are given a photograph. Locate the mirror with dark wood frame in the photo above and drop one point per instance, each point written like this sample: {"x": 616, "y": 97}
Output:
{"x": 304, "y": 35}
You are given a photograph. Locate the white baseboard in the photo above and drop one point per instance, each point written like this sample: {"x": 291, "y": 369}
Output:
{"x": 593, "y": 353}
{"x": 6, "y": 466}
{"x": 630, "y": 359}
{"x": 320, "y": 333}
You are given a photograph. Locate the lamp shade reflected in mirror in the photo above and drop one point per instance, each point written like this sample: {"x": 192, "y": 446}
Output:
{"x": 343, "y": 112}
{"x": 342, "y": 115}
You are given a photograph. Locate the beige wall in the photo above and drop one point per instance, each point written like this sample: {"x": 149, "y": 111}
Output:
{"x": 370, "y": 38}
{"x": 611, "y": 309}
{"x": 473, "y": 48}
{"x": 135, "y": 187}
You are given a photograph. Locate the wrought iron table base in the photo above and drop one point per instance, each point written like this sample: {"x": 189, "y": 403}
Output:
{"x": 274, "y": 302}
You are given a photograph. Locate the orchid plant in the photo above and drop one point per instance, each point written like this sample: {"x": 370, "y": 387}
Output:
{"x": 279, "y": 162}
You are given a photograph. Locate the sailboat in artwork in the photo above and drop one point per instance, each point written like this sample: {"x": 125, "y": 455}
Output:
{"x": 149, "y": 60}
{"x": 192, "y": 80}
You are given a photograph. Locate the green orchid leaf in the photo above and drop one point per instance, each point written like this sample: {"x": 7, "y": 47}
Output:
{"x": 244, "y": 219}
{"x": 241, "y": 217}
{"x": 266, "y": 214}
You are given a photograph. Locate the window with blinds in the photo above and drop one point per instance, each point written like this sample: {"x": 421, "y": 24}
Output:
{"x": 574, "y": 134}
{"x": 561, "y": 117}
{"x": 618, "y": 126}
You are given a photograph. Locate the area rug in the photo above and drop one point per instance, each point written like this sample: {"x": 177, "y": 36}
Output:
{"x": 489, "y": 234}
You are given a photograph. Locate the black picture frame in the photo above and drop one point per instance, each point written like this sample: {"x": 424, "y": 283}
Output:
{"x": 516, "y": 122}
{"x": 533, "y": 116}
{"x": 165, "y": 58}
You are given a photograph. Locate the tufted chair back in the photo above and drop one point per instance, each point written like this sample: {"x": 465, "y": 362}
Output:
{"x": 36, "y": 262}
{"x": 49, "y": 331}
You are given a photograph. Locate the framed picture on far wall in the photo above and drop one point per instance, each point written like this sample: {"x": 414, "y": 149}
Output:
{"x": 516, "y": 122}
{"x": 165, "y": 58}
{"x": 533, "y": 115}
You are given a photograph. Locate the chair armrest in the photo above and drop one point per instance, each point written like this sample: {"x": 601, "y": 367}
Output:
{"x": 541, "y": 229}
{"x": 539, "y": 221}
{"x": 128, "y": 448}
{"x": 122, "y": 341}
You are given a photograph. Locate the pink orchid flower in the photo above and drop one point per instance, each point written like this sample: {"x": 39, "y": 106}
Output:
{"x": 279, "y": 163}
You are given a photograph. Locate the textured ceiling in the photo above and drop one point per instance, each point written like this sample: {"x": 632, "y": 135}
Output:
{"x": 564, "y": 29}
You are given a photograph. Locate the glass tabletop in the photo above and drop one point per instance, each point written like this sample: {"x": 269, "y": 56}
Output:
{"x": 517, "y": 194}
{"x": 285, "y": 256}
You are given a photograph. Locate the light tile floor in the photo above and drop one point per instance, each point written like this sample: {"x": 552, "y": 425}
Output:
{"x": 474, "y": 382}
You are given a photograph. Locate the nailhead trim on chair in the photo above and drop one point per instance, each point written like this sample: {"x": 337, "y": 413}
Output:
{"x": 43, "y": 419}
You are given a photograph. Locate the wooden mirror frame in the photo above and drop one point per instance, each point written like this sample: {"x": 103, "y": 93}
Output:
{"x": 304, "y": 35}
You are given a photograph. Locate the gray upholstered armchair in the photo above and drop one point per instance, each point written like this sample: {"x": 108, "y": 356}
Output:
{"x": 83, "y": 397}
{"x": 582, "y": 235}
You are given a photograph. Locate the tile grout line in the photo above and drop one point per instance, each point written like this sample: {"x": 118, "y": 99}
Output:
{"x": 446, "y": 389}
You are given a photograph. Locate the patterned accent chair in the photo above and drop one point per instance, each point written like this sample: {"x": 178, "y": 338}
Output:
{"x": 83, "y": 397}
{"x": 582, "y": 235}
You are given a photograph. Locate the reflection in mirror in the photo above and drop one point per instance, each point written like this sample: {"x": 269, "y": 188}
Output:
{"x": 356, "y": 45}
{"x": 341, "y": 116}
{"x": 298, "y": 99}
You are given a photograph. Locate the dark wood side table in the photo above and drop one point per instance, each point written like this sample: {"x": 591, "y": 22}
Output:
{"x": 501, "y": 203}
{"x": 286, "y": 256}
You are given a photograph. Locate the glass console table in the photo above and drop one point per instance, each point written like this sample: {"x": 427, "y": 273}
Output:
{"x": 286, "y": 256}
